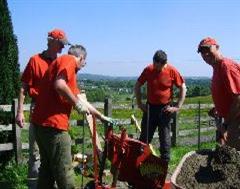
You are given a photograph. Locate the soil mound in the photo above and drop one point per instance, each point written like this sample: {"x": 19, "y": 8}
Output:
{"x": 219, "y": 168}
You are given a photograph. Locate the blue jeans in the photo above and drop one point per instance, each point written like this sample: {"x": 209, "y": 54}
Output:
{"x": 155, "y": 117}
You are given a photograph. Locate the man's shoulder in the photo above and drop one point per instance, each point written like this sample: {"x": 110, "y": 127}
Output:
{"x": 65, "y": 58}
{"x": 149, "y": 67}
{"x": 64, "y": 61}
{"x": 228, "y": 63}
{"x": 35, "y": 57}
{"x": 34, "y": 60}
{"x": 170, "y": 67}
{"x": 226, "y": 60}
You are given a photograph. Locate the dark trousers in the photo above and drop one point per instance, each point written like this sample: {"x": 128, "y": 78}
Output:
{"x": 153, "y": 118}
{"x": 55, "y": 156}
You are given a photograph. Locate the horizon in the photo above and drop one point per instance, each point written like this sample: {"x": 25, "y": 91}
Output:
{"x": 186, "y": 77}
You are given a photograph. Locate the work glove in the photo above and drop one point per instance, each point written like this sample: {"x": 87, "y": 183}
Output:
{"x": 109, "y": 120}
{"x": 81, "y": 108}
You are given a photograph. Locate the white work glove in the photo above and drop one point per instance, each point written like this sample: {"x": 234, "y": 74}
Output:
{"x": 81, "y": 108}
{"x": 109, "y": 120}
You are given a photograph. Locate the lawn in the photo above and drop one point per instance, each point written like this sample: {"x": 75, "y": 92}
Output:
{"x": 16, "y": 175}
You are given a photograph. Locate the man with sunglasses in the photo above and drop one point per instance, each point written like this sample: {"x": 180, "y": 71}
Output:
{"x": 160, "y": 77}
{"x": 225, "y": 88}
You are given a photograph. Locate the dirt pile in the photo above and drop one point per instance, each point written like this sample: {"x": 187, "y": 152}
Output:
{"x": 209, "y": 169}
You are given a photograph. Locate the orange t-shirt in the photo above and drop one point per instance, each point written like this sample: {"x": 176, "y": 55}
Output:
{"x": 51, "y": 109}
{"x": 225, "y": 83}
{"x": 160, "y": 84}
{"x": 34, "y": 72}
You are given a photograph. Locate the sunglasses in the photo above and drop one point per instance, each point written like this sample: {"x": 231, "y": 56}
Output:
{"x": 204, "y": 49}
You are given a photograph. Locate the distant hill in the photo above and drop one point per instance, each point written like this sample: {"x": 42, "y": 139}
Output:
{"x": 96, "y": 77}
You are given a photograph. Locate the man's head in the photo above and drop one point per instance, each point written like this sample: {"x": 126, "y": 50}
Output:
{"x": 56, "y": 40}
{"x": 80, "y": 53}
{"x": 159, "y": 59}
{"x": 208, "y": 47}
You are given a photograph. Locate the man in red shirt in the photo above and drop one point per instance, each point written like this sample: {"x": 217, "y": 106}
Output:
{"x": 31, "y": 78}
{"x": 160, "y": 77}
{"x": 225, "y": 88}
{"x": 58, "y": 93}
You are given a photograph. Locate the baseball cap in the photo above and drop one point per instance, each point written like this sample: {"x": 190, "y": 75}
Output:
{"x": 206, "y": 42}
{"x": 60, "y": 35}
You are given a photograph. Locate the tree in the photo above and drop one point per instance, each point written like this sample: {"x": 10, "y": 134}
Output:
{"x": 9, "y": 67}
{"x": 9, "y": 72}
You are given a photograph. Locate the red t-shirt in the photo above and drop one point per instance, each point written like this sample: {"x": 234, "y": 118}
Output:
{"x": 51, "y": 109}
{"x": 225, "y": 83}
{"x": 34, "y": 72}
{"x": 160, "y": 84}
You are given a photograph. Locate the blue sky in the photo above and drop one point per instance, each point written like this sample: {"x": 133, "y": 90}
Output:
{"x": 121, "y": 36}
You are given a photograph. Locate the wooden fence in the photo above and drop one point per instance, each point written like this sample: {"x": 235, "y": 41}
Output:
{"x": 17, "y": 146}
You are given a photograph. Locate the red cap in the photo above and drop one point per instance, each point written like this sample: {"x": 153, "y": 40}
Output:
{"x": 60, "y": 35}
{"x": 207, "y": 42}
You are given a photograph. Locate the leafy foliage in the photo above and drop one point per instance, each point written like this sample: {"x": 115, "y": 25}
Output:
{"x": 198, "y": 87}
{"x": 97, "y": 90}
{"x": 13, "y": 176}
{"x": 9, "y": 72}
{"x": 9, "y": 77}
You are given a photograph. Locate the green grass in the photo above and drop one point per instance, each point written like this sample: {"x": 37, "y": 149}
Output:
{"x": 202, "y": 99}
{"x": 178, "y": 152}
{"x": 17, "y": 175}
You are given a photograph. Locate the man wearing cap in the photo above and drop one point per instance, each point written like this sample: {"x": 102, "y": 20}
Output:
{"x": 58, "y": 93}
{"x": 160, "y": 77}
{"x": 225, "y": 88}
{"x": 31, "y": 78}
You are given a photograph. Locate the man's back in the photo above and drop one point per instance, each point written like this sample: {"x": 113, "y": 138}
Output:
{"x": 51, "y": 109}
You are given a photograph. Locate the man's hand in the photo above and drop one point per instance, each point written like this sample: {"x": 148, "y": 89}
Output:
{"x": 168, "y": 109}
{"x": 109, "y": 120}
{"x": 213, "y": 112}
{"x": 81, "y": 108}
{"x": 222, "y": 129}
{"x": 20, "y": 119}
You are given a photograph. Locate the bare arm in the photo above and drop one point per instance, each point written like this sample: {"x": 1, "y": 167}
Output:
{"x": 182, "y": 95}
{"x": 181, "y": 98}
{"x": 91, "y": 108}
{"x": 138, "y": 94}
{"x": 20, "y": 115}
{"x": 63, "y": 89}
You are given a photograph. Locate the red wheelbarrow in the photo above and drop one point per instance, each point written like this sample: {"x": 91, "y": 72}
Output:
{"x": 131, "y": 160}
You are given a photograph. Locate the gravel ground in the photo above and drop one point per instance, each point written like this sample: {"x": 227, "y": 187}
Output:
{"x": 218, "y": 169}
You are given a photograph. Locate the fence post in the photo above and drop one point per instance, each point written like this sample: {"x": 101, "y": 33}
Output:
{"x": 108, "y": 107}
{"x": 199, "y": 124}
{"x": 174, "y": 130}
{"x": 17, "y": 144}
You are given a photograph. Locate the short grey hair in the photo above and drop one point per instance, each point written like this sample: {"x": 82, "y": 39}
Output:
{"x": 77, "y": 50}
